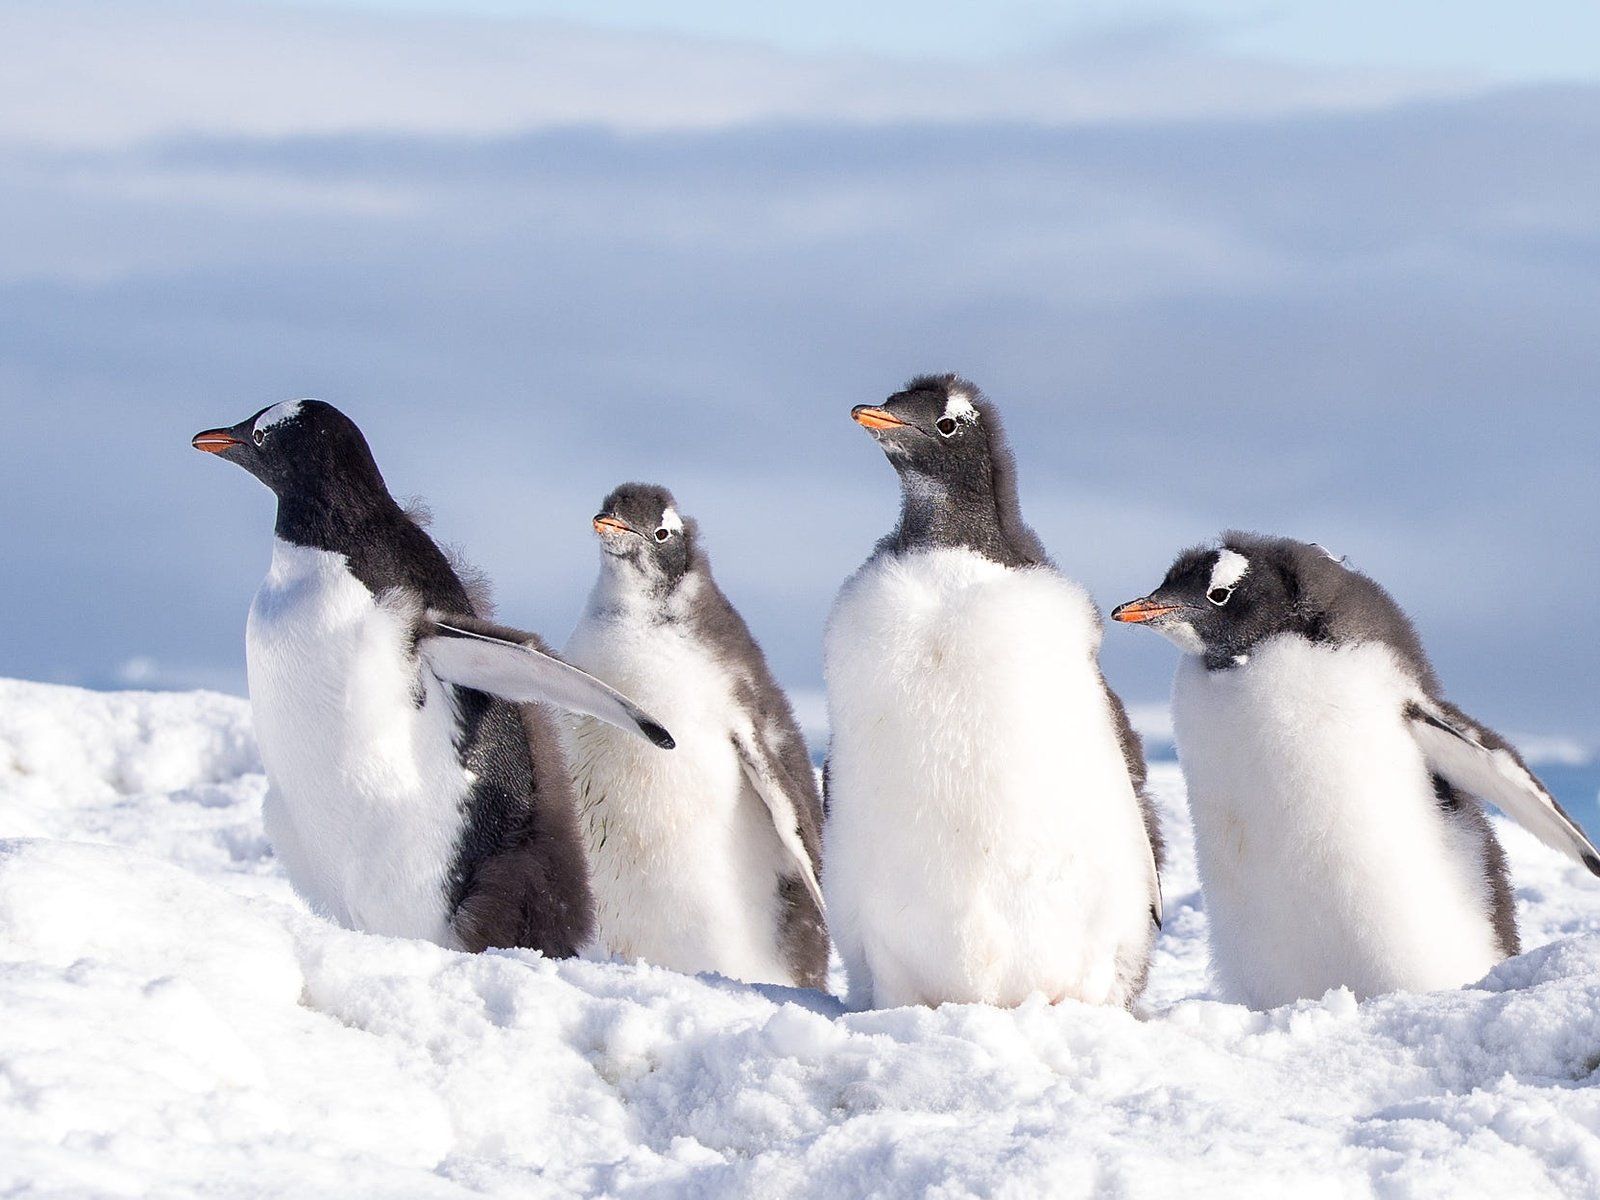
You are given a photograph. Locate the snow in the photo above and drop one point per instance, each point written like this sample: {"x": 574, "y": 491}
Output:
{"x": 174, "y": 1022}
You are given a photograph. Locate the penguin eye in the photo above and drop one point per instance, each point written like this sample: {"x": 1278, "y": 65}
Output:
{"x": 663, "y": 534}
{"x": 1219, "y": 595}
{"x": 258, "y": 437}
{"x": 945, "y": 425}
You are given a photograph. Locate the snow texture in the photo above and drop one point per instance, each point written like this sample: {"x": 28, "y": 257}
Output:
{"x": 174, "y": 1022}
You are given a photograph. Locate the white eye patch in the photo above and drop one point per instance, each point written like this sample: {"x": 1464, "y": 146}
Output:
{"x": 277, "y": 415}
{"x": 1231, "y": 567}
{"x": 671, "y": 521}
{"x": 959, "y": 408}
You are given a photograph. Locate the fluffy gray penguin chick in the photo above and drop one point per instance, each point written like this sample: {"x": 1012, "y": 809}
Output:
{"x": 705, "y": 859}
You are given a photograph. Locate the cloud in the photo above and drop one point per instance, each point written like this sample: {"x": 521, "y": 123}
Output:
{"x": 145, "y": 674}
{"x": 1365, "y": 327}
{"x": 1541, "y": 750}
{"x": 104, "y": 73}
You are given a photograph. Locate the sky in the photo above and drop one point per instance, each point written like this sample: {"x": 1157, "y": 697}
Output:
{"x": 1545, "y": 39}
{"x": 1324, "y": 271}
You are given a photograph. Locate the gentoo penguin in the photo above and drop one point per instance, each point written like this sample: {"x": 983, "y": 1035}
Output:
{"x": 1333, "y": 788}
{"x": 404, "y": 798}
{"x": 704, "y": 859}
{"x": 987, "y": 835}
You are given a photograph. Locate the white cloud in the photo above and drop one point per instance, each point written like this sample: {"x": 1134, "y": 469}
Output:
{"x": 1546, "y": 750}
{"x": 1357, "y": 328}
{"x": 92, "y": 73}
{"x": 144, "y": 673}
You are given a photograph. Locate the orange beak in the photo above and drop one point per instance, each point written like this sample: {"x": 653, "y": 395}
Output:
{"x": 875, "y": 418}
{"x": 214, "y": 441}
{"x": 605, "y": 523}
{"x": 1137, "y": 612}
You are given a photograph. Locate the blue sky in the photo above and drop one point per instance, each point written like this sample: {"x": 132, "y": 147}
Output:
{"x": 1220, "y": 265}
{"x": 1541, "y": 40}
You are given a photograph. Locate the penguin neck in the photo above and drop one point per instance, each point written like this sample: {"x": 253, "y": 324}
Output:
{"x": 941, "y": 514}
{"x": 341, "y": 519}
{"x": 628, "y": 588}
{"x": 383, "y": 547}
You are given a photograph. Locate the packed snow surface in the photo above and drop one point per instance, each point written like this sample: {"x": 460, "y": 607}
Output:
{"x": 174, "y": 1022}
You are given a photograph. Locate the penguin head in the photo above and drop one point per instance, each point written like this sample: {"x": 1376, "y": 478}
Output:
{"x": 1218, "y": 603}
{"x": 958, "y": 481}
{"x": 1221, "y": 603}
{"x": 301, "y": 449}
{"x": 640, "y": 529}
{"x": 940, "y": 428}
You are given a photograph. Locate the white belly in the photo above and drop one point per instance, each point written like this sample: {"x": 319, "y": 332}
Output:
{"x": 1324, "y": 859}
{"x": 983, "y": 839}
{"x": 683, "y": 856}
{"x": 366, "y": 795}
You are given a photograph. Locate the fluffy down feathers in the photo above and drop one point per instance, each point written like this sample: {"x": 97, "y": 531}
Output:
{"x": 983, "y": 839}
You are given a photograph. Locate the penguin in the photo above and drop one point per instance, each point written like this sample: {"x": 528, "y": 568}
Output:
{"x": 987, "y": 834}
{"x": 705, "y": 859}
{"x": 1334, "y": 789}
{"x": 413, "y": 789}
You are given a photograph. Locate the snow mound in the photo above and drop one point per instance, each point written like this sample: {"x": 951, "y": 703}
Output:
{"x": 174, "y": 1022}
{"x": 77, "y": 746}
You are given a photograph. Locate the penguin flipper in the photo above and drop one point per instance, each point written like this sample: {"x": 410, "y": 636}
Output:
{"x": 768, "y": 783}
{"x": 512, "y": 665}
{"x": 1482, "y": 763}
{"x": 1158, "y": 907}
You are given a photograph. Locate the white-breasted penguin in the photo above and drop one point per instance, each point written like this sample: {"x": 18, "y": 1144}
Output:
{"x": 705, "y": 859}
{"x": 412, "y": 791}
{"x": 1334, "y": 790}
{"x": 987, "y": 835}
